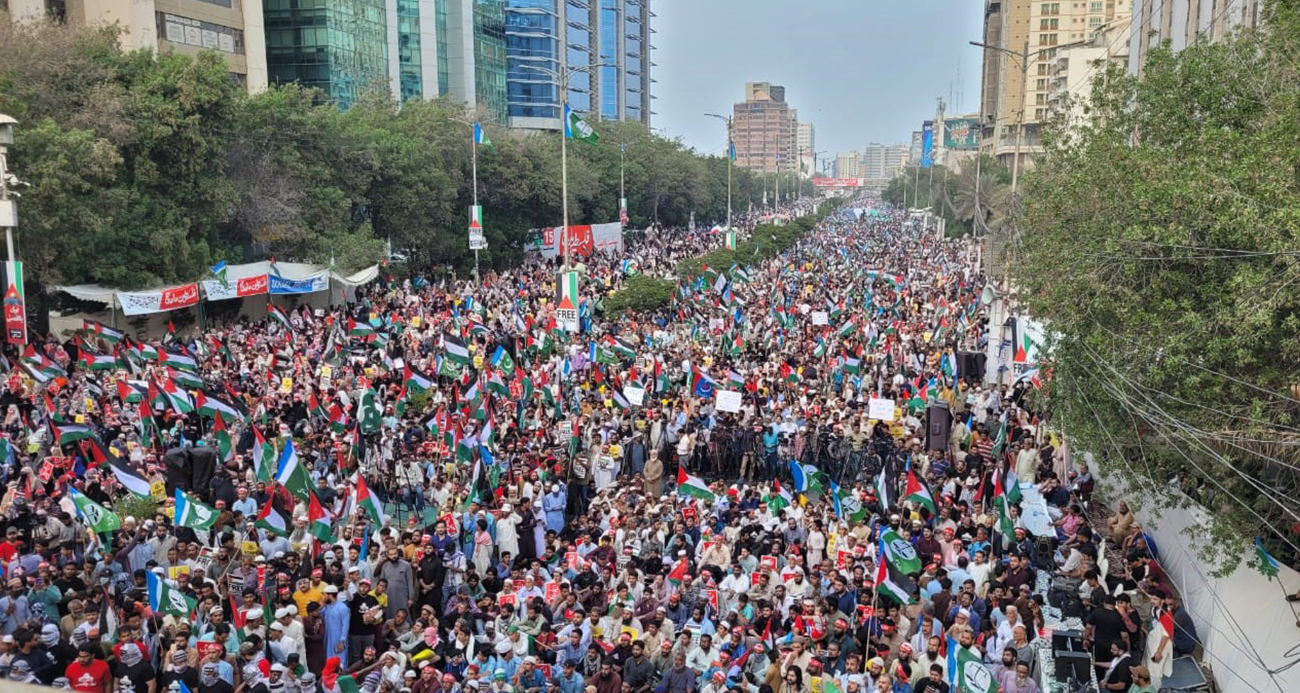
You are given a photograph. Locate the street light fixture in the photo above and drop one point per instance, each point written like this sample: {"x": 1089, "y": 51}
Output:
{"x": 730, "y": 144}
{"x": 1023, "y": 58}
{"x": 562, "y": 80}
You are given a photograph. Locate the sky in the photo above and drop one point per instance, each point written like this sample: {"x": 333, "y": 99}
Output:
{"x": 860, "y": 70}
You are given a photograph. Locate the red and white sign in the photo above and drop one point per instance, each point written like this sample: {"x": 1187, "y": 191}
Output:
{"x": 159, "y": 301}
{"x": 585, "y": 239}
{"x": 255, "y": 285}
{"x": 837, "y": 182}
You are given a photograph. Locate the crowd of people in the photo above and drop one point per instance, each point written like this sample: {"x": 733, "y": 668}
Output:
{"x": 436, "y": 489}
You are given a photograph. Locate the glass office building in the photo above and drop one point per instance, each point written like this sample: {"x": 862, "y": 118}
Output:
{"x": 338, "y": 46}
{"x": 547, "y": 37}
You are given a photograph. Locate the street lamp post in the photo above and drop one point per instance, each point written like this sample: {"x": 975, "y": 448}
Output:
{"x": 8, "y": 207}
{"x": 562, "y": 80}
{"x": 730, "y": 144}
{"x": 1023, "y": 57}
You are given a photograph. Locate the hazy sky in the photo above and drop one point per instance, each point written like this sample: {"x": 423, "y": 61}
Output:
{"x": 860, "y": 70}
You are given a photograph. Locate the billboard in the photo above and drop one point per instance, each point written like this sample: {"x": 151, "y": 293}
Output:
{"x": 961, "y": 133}
{"x": 586, "y": 239}
{"x": 927, "y": 144}
{"x": 837, "y": 182}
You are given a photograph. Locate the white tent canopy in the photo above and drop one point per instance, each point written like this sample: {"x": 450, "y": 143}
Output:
{"x": 293, "y": 271}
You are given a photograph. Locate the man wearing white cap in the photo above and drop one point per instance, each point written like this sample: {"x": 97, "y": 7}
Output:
{"x": 337, "y": 619}
{"x": 293, "y": 631}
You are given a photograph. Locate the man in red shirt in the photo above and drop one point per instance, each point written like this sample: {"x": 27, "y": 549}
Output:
{"x": 88, "y": 674}
{"x": 9, "y": 547}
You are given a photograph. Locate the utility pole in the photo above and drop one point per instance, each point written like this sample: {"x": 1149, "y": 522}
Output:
{"x": 731, "y": 149}
{"x": 14, "y": 296}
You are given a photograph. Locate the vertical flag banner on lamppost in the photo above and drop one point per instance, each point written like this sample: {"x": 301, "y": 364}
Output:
{"x": 15, "y": 300}
{"x": 622, "y": 211}
{"x": 566, "y": 306}
{"x": 731, "y": 239}
{"x": 477, "y": 241}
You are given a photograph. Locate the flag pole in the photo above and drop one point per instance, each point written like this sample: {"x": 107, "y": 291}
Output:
{"x": 473, "y": 158}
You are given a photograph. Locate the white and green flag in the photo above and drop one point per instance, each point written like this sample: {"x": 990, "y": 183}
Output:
{"x": 193, "y": 514}
{"x": 165, "y": 599}
{"x": 97, "y": 517}
{"x": 575, "y": 128}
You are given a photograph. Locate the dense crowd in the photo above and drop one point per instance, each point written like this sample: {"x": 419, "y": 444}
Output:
{"x": 435, "y": 489}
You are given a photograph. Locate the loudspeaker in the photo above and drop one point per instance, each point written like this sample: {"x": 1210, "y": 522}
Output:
{"x": 938, "y": 426}
{"x": 1067, "y": 641}
{"x": 1073, "y": 666}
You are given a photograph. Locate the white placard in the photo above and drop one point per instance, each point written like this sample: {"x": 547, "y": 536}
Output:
{"x": 820, "y": 317}
{"x": 880, "y": 409}
{"x": 728, "y": 400}
{"x": 635, "y": 395}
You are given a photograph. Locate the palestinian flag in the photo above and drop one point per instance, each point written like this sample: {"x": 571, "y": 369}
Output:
{"x": 620, "y": 401}
{"x": 314, "y": 408}
{"x": 852, "y": 365}
{"x": 456, "y": 349}
{"x": 225, "y": 447}
{"x": 364, "y": 499}
{"x": 338, "y": 419}
{"x": 193, "y": 514}
{"x": 132, "y": 391}
{"x": 415, "y": 380}
{"x": 318, "y": 520}
{"x": 279, "y": 316}
{"x": 886, "y": 489}
{"x": 99, "y": 362}
{"x": 264, "y": 459}
{"x": 128, "y": 477}
{"x": 497, "y": 385}
{"x": 165, "y": 599}
{"x": 97, "y": 517}
{"x": 621, "y": 347}
{"x": 359, "y": 329}
{"x": 175, "y": 397}
{"x": 847, "y": 328}
{"x": 42, "y": 364}
{"x": 144, "y": 352}
{"x": 1002, "y": 504}
{"x": 918, "y": 492}
{"x": 67, "y": 434}
{"x": 735, "y": 380}
{"x": 178, "y": 360}
{"x": 274, "y": 518}
{"x": 891, "y": 582}
{"x": 900, "y": 552}
{"x": 291, "y": 473}
{"x": 101, "y": 331}
{"x": 212, "y": 407}
{"x": 693, "y": 486}
{"x": 186, "y": 379}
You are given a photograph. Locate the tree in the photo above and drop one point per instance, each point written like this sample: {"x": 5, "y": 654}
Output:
{"x": 1158, "y": 243}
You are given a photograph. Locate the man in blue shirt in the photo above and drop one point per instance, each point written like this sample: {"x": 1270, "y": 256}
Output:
{"x": 570, "y": 680}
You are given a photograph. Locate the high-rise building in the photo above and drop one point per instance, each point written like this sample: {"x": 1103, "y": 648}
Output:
{"x": 1182, "y": 22}
{"x": 1014, "y": 104}
{"x": 848, "y": 165}
{"x": 548, "y": 38}
{"x": 807, "y": 148}
{"x": 232, "y": 28}
{"x": 1075, "y": 68}
{"x": 765, "y": 130}
{"x": 416, "y": 49}
{"x": 883, "y": 161}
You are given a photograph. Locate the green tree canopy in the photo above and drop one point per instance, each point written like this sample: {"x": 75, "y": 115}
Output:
{"x": 1158, "y": 240}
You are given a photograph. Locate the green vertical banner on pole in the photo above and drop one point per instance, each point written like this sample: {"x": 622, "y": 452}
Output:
{"x": 477, "y": 241}
{"x": 15, "y": 304}
{"x": 566, "y": 305}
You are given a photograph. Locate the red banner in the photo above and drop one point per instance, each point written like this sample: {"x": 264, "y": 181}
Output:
{"x": 837, "y": 182}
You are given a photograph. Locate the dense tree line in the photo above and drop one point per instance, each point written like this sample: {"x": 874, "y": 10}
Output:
{"x": 1158, "y": 240}
{"x": 144, "y": 169}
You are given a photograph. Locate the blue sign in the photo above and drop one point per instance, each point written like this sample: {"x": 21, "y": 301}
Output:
{"x": 927, "y": 144}
{"x": 312, "y": 284}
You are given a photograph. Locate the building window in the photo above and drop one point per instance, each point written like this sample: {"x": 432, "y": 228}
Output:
{"x": 1094, "y": 6}
{"x": 1051, "y": 8}
{"x": 200, "y": 34}
{"x": 1048, "y": 24}
{"x": 1042, "y": 68}
{"x": 1094, "y": 22}
{"x": 1038, "y": 114}
{"x": 1042, "y": 84}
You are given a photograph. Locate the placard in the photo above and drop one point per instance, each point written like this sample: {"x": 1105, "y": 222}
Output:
{"x": 249, "y": 548}
{"x": 728, "y": 400}
{"x": 820, "y": 317}
{"x": 880, "y": 409}
{"x": 635, "y": 395}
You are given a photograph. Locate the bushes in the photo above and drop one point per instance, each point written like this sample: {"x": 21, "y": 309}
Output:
{"x": 641, "y": 294}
